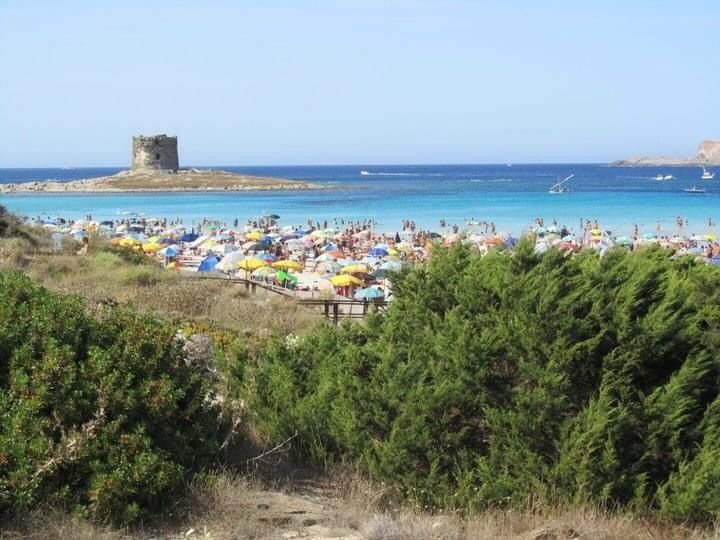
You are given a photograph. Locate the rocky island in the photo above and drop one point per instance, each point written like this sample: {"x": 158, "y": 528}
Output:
{"x": 155, "y": 169}
{"x": 708, "y": 153}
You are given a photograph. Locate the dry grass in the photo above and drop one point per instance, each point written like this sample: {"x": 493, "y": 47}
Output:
{"x": 346, "y": 506}
{"x": 104, "y": 278}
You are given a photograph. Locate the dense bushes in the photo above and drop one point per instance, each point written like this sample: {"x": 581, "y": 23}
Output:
{"x": 98, "y": 414}
{"x": 498, "y": 379}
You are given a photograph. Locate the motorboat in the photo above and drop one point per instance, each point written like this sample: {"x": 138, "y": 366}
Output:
{"x": 694, "y": 190}
{"x": 559, "y": 187}
{"x": 707, "y": 175}
{"x": 661, "y": 177}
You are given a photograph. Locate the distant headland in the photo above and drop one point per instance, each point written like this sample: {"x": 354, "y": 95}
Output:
{"x": 708, "y": 153}
{"x": 155, "y": 168}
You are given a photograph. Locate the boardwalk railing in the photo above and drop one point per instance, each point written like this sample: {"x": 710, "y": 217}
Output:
{"x": 332, "y": 309}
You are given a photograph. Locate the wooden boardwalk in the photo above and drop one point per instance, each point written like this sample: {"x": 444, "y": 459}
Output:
{"x": 333, "y": 309}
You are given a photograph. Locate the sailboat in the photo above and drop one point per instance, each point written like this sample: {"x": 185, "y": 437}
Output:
{"x": 707, "y": 175}
{"x": 559, "y": 187}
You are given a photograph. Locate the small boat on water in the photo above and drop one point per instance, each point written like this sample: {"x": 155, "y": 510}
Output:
{"x": 364, "y": 173}
{"x": 660, "y": 177}
{"x": 694, "y": 190}
{"x": 559, "y": 187}
{"x": 707, "y": 175}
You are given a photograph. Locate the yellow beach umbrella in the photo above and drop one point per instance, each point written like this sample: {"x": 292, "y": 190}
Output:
{"x": 254, "y": 235}
{"x": 345, "y": 280}
{"x": 289, "y": 265}
{"x": 710, "y": 237}
{"x": 151, "y": 246}
{"x": 394, "y": 252}
{"x": 153, "y": 240}
{"x": 353, "y": 268}
{"x": 595, "y": 231}
{"x": 129, "y": 242}
{"x": 251, "y": 263}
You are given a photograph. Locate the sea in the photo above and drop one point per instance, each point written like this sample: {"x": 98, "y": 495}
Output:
{"x": 512, "y": 196}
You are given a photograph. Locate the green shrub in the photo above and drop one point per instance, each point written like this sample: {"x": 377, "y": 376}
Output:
{"x": 102, "y": 416}
{"x": 496, "y": 380}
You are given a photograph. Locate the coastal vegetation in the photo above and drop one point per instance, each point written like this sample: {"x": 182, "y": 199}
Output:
{"x": 498, "y": 395}
{"x": 495, "y": 381}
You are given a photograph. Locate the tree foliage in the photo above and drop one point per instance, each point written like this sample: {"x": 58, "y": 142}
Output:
{"x": 498, "y": 379}
{"x": 98, "y": 414}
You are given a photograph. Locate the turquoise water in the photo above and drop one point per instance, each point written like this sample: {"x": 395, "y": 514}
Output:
{"x": 512, "y": 197}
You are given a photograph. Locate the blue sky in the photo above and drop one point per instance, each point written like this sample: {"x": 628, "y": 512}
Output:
{"x": 357, "y": 81}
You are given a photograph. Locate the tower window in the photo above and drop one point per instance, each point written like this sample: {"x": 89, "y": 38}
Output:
{"x": 157, "y": 156}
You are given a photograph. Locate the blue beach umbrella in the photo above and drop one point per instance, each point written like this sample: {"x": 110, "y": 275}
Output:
{"x": 266, "y": 257}
{"x": 331, "y": 247}
{"x": 188, "y": 237}
{"x": 378, "y": 252}
{"x": 369, "y": 294}
{"x": 170, "y": 251}
{"x": 208, "y": 264}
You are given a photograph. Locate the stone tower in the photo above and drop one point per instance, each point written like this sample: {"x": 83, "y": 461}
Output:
{"x": 155, "y": 153}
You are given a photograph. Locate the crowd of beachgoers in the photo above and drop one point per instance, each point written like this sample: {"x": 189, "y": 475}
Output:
{"x": 346, "y": 258}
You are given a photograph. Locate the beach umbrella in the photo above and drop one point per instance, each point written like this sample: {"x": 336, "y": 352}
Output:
{"x": 356, "y": 267}
{"x": 272, "y": 216}
{"x": 166, "y": 241}
{"x": 229, "y": 262}
{"x": 404, "y": 247}
{"x": 151, "y": 246}
{"x": 170, "y": 251}
{"x": 362, "y": 235}
{"x": 345, "y": 280}
{"x": 289, "y": 265}
{"x": 371, "y": 261}
{"x": 208, "y": 264}
{"x": 369, "y": 294}
{"x": 391, "y": 265}
{"x": 363, "y": 276}
{"x": 254, "y": 235}
{"x": 328, "y": 267}
{"x": 129, "y": 242}
{"x": 710, "y": 237}
{"x": 263, "y": 271}
{"x": 282, "y": 276}
{"x": 381, "y": 246}
{"x": 331, "y": 247}
{"x": 251, "y": 263}
{"x": 267, "y": 257}
{"x": 393, "y": 253}
{"x": 257, "y": 246}
{"x": 623, "y": 241}
{"x": 188, "y": 237}
{"x": 378, "y": 252}
{"x": 325, "y": 257}
{"x": 267, "y": 239}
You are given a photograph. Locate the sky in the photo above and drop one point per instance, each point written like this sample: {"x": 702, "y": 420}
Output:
{"x": 282, "y": 82}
